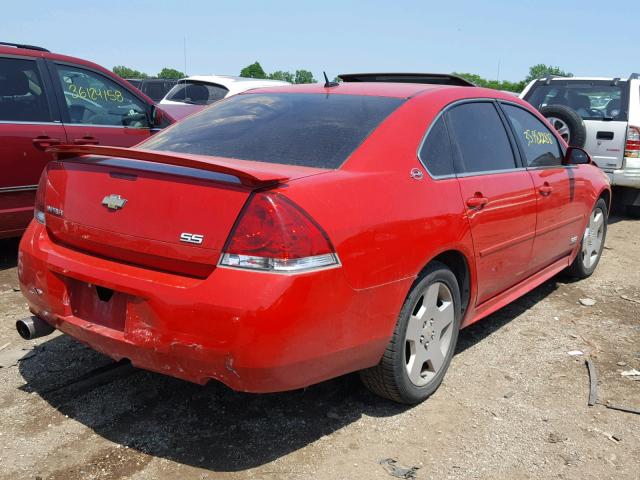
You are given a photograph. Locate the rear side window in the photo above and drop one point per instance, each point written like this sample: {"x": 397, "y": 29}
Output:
{"x": 197, "y": 93}
{"x": 314, "y": 130}
{"x": 539, "y": 145}
{"x": 435, "y": 152}
{"x": 22, "y": 94}
{"x": 481, "y": 140}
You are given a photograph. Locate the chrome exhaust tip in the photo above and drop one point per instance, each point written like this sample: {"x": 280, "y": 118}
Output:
{"x": 33, "y": 327}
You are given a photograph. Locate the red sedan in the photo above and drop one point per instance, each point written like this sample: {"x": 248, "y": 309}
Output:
{"x": 286, "y": 236}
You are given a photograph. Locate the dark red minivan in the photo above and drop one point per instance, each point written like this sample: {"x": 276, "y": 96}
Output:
{"x": 48, "y": 99}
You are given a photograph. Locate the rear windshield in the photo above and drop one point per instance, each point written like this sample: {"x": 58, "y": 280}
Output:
{"x": 314, "y": 130}
{"x": 592, "y": 100}
{"x": 196, "y": 93}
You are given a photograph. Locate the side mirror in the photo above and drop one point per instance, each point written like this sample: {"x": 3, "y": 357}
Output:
{"x": 576, "y": 156}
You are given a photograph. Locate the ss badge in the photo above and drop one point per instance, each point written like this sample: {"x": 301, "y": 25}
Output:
{"x": 191, "y": 238}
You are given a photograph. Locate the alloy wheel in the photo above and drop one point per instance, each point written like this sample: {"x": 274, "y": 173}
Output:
{"x": 429, "y": 333}
{"x": 592, "y": 239}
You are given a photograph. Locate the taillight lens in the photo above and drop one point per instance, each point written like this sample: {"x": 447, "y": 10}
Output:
{"x": 632, "y": 147}
{"x": 274, "y": 234}
{"x": 38, "y": 211}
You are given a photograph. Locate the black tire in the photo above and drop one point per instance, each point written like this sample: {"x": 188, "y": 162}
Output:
{"x": 577, "y": 136}
{"x": 633, "y": 211}
{"x": 578, "y": 268}
{"x": 389, "y": 379}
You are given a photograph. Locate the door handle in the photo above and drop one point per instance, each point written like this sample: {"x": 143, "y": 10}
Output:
{"x": 86, "y": 140}
{"x": 477, "y": 202}
{"x": 545, "y": 189}
{"x": 44, "y": 141}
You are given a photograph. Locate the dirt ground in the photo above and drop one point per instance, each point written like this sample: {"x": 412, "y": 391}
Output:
{"x": 513, "y": 405}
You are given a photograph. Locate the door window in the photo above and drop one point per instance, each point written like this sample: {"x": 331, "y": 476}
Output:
{"x": 435, "y": 152}
{"x": 539, "y": 145}
{"x": 481, "y": 139}
{"x": 93, "y": 99}
{"x": 22, "y": 94}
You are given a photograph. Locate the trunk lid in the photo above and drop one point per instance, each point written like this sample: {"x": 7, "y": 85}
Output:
{"x": 169, "y": 212}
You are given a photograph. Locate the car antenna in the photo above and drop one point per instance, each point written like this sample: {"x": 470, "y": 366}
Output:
{"x": 327, "y": 83}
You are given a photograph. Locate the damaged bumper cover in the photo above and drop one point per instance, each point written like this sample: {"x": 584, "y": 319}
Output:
{"x": 233, "y": 326}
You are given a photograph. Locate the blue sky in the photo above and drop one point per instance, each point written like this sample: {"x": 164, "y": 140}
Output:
{"x": 585, "y": 37}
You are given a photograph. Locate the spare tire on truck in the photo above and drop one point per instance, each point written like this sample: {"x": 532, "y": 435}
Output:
{"x": 567, "y": 122}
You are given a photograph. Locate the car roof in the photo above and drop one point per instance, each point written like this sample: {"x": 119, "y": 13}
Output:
{"x": 376, "y": 89}
{"x": 391, "y": 89}
{"x": 30, "y": 52}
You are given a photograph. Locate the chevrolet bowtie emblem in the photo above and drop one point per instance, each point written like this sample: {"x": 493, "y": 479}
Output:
{"x": 113, "y": 201}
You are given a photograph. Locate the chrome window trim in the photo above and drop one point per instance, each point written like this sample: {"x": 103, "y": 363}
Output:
{"x": 104, "y": 126}
{"x": 20, "y": 188}
{"x": 12, "y": 122}
{"x": 490, "y": 172}
{"x": 549, "y": 167}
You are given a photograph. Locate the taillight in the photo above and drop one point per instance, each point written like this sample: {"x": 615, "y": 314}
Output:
{"x": 38, "y": 211}
{"x": 274, "y": 234}
{"x": 632, "y": 147}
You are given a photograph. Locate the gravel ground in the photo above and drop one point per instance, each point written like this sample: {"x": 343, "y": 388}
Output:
{"x": 513, "y": 405}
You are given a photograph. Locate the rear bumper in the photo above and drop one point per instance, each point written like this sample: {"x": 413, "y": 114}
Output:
{"x": 628, "y": 176}
{"x": 255, "y": 332}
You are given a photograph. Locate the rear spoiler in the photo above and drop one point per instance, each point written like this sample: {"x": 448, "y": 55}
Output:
{"x": 251, "y": 177}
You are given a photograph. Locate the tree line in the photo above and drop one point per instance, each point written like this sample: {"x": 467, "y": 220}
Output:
{"x": 536, "y": 71}
{"x": 166, "y": 72}
{"x": 255, "y": 70}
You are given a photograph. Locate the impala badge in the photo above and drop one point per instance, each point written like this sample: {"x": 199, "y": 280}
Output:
{"x": 114, "y": 202}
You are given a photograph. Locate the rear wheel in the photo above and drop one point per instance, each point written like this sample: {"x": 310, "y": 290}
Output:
{"x": 567, "y": 122}
{"x": 423, "y": 341}
{"x": 592, "y": 242}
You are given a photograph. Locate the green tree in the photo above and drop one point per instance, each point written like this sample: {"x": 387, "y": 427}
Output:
{"x": 541, "y": 70}
{"x": 254, "y": 70}
{"x": 304, "y": 76}
{"x": 126, "y": 72}
{"x": 167, "y": 72}
{"x": 281, "y": 75}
